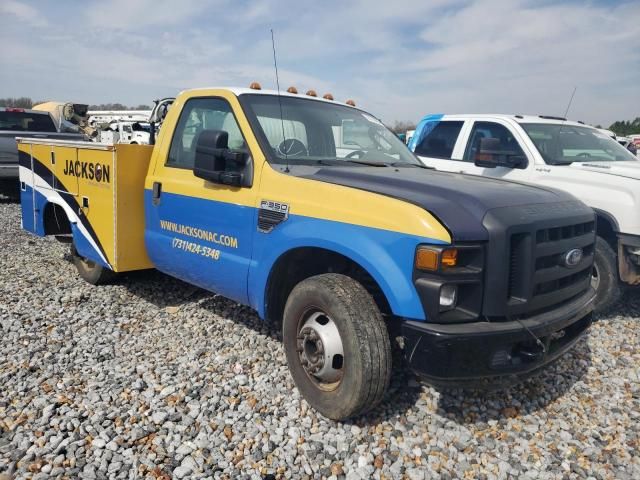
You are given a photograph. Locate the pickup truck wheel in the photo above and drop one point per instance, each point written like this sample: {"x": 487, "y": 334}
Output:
{"x": 90, "y": 271}
{"x": 605, "y": 277}
{"x": 337, "y": 345}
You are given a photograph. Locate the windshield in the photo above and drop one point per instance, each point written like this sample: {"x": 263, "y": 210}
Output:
{"x": 560, "y": 144}
{"x": 25, "y": 122}
{"x": 312, "y": 132}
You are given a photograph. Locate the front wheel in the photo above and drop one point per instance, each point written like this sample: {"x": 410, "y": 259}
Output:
{"x": 90, "y": 271}
{"x": 604, "y": 278}
{"x": 337, "y": 345}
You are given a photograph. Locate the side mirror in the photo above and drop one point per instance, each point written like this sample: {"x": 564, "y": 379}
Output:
{"x": 491, "y": 155}
{"x": 214, "y": 161}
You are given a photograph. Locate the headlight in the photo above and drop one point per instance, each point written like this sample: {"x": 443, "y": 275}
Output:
{"x": 449, "y": 281}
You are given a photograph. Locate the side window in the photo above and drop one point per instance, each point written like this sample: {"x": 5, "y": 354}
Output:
{"x": 197, "y": 115}
{"x": 507, "y": 144}
{"x": 438, "y": 139}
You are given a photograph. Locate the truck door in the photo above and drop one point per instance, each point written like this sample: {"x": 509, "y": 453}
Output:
{"x": 196, "y": 230}
{"x": 508, "y": 142}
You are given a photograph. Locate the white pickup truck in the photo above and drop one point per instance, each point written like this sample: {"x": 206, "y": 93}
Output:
{"x": 552, "y": 152}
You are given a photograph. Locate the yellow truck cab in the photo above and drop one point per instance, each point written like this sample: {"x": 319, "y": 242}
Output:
{"x": 313, "y": 213}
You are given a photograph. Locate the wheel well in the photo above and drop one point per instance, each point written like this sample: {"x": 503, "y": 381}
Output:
{"x": 301, "y": 263}
{"x": 55, "y": 220}
{"x": 605, "y": 229}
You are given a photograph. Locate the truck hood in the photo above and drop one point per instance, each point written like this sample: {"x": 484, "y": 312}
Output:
{"x": 627, "y": 168}
{"x": 460, "y": 202}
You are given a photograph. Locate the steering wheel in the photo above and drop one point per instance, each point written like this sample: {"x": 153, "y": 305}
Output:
{"x": 292, "y": 147}
{"x": 584, "y": 154}
{"x": 356, "y": 153}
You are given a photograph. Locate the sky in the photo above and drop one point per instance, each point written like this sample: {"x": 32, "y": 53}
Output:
{"x": 398, "y": 59}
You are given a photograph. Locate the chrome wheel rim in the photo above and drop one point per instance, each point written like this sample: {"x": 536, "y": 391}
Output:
{"x": 320, "y": 350}
{"x": 595, "y": 278}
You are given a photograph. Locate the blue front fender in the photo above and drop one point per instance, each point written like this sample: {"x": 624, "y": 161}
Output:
{"x": 387, "y": 256}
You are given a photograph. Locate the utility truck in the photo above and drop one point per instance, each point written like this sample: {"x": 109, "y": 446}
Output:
{"x": 553, "y": 152}
{"x": 316, "y": 215}
{"x": 137, "y": 133}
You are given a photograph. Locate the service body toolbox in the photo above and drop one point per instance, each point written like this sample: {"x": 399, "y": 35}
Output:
{"x": 316, "y": 215}
{"x": 98, "y": 189}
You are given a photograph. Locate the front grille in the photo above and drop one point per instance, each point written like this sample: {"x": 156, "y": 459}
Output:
{"x": 517, "y": 264}
{"x": 538, "y": 275}
{"x": 562, "y": 233}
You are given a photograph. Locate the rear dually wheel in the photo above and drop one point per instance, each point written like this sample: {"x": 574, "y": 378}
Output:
{"x": 91, "y": 271}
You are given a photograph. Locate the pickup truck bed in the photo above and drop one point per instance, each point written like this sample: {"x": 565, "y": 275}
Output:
{"x": 18, "y": 122}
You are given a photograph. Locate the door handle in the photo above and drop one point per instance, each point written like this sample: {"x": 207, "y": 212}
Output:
{"x": 157, "y": 191}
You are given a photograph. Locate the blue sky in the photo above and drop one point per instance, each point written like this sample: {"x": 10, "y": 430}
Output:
{"x": 398, "y": 59}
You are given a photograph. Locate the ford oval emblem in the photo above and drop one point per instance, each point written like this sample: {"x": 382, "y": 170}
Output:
{"x": 572, "y": 258}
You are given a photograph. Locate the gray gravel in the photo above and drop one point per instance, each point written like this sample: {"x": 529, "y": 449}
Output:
{"x": 154, "y": 378}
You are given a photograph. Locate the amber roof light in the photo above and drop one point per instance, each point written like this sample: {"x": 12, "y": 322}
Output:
{"x": 350, "y": 102}
{"x": 292, "y": 89}
{"x": 255, "y": 86}
{"x": 327, "y": 96}
{"x": 312, "y": 93}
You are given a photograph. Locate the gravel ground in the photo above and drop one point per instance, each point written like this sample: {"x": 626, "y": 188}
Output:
{"x": 154, "y": 378}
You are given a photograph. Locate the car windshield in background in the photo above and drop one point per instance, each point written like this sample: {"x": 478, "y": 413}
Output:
{"x": 26, "y": 122}
{"x": 315, "y": 132}
{"x": 560, "y": 144}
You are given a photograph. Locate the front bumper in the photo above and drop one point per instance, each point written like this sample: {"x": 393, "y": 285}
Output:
{"x": 489, "y": 354}
{"x": 629, "y": 258}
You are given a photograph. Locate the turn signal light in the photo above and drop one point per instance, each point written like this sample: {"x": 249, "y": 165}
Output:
{"x": 450, "y": 258}
{"x": 426, "y": 259}
{"x": 432, "y": 259}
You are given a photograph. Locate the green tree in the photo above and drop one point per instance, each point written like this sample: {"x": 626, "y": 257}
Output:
{"x": 626, "y": 127}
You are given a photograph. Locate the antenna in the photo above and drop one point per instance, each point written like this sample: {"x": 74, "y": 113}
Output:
{"x": 570, "y": 100}
{"x": 566, "y": 112}
{"x": 275, "y": 64}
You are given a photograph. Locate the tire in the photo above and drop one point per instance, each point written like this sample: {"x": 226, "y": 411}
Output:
{"x": 10, "y": 188}
{"x": 349, "y": 384}
{"x": 90, "y": 271}
{"x": 605, "y": 277}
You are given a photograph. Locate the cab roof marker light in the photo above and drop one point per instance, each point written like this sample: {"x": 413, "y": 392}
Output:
{"x": 255, "y": 86}
{"x": 292, "y": 89}
{"x": 312, "y": 93}
{"x": 351, "y": 103}
{"x": 327, "y": 96}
